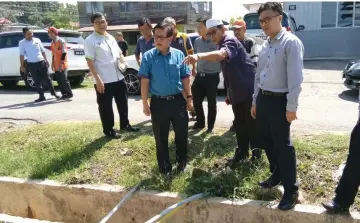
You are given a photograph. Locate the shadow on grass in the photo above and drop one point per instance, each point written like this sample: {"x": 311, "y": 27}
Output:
{"x": 69, "y": 161}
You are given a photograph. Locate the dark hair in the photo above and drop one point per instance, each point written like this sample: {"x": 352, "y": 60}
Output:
{"x": 164, "y": 26}
{"x": 144, "y": 21}
{"x": 25, "y": 29}
{"x": 274, "y": 6}
{"x": 203, "y": 20}
{"x": 96, "y": 15}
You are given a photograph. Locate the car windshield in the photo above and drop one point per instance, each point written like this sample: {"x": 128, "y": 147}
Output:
{"x": 252, "y": 21}
{"x": 74, "y": 38}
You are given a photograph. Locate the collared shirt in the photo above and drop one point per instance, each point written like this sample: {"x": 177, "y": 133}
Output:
{"x": 58, "y": 47}
{"x": 202, "y": 46}
{"x": 251, "y": 48}
{"x": 32, "y": 50}
{"x": 182, "y": 43}
{"x": 105, "y": 52}
{"x": 142, "y": 46}
{"x": 280, "y": 67}
{"x": 164, "y": 71}
{"x": 238, "y": 70}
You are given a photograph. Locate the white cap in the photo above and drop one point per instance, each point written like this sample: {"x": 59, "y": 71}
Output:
{"x": 213, "y": 23}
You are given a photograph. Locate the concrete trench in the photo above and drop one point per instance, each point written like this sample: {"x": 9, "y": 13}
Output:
{"x": 52, "y": 201}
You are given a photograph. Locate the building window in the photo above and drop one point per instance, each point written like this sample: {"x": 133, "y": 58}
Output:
{"x": 92, "y": 7}
{"x": 206, "y": 6}
{"x": 128, "y": 6}
{"x": 340, "y": 14}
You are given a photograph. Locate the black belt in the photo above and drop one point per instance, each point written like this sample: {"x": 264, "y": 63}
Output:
{"x": 202, "y": 74}
{"x": 169, "y": 97}
{"x": 270, "y": 93}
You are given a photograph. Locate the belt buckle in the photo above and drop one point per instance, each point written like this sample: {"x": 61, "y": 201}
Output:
{"x": 202, "y": 74}
{"x": 169, "y": 98}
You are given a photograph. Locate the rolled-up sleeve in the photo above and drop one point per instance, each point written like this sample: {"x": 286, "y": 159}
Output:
{"x": 185, "y": 71}
{"x": 137, "y": 49}
{"x": 89, "y": 49}
{"x": 22, "y": 49}
{"x": 295, "y": 66}
{"x": 230, "y": 47}
{"x": 145, "y": 69}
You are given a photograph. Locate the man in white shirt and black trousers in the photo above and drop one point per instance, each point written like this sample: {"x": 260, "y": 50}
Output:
{"x": 37, "y": 63}
{"x": 102, "y": 54}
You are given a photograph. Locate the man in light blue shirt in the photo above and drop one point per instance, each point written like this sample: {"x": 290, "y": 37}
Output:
{"x": 37, "y": 63}
{"x": 275, "y": 101}
{"x": 168, "y": 79}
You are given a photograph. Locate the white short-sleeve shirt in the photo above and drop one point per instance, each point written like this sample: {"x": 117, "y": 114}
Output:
{"x": 105, "y": 52}
{"x": 32, "y": 50}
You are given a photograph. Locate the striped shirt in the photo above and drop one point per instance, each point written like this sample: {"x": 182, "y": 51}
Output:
{"x": 280, "y": 68}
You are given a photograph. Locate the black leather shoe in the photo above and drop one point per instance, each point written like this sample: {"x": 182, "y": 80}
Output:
{"x": 180, "y": 168}
{"x": 40, "y": 99}
{"x": 334, "y": 208}
{"x": 113, "y": 134}
{"x": 269, "y": 183}
{"x": 288, "y": 202}
{"x": 240, "y": 155}
{"x": 129, "y": 128}
{"x": 197, "y": 126}
{"x": 209, "y": 130}
{"x": 66, "y": 97}
{"x": 55, "y": 95}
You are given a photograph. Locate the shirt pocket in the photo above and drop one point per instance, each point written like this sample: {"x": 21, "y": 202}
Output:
{"x": 174, "y": 71}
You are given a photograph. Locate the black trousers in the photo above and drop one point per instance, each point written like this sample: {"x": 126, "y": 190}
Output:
{"x": 244, "y": 125}
{"x": 118, "y": 91}
{"x": 205, "y": 86}
{"x": 274, "y": 132}
{"x": 63, "y": 82}
{"x": 164, "y": 112}
{"x": 350, "y": 180}
{"x": 40, "y": 74}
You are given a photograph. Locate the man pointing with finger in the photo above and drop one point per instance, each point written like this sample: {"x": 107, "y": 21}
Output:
{"x": 277, "y": 87}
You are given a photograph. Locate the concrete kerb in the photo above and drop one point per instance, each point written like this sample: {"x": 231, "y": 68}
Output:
{"x": 53, "y": 201}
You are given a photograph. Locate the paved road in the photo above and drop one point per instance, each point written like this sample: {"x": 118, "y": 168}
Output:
{"x": 325, "y": 104}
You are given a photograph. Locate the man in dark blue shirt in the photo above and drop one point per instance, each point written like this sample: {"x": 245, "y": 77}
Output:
{"x": 146, "y": 41}
{"x": 163, "y": 73}
{"x": 239, "y": 74}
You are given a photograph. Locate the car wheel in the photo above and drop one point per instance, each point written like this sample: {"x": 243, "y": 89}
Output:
{"x": 77, "y": 80}
{"x": 132, "y": 82}
{"x": 10, "y": 83}
{"x": 29, "y": 82}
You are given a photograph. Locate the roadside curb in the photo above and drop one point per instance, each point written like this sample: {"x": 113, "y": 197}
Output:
{"x": 53, "y": 201}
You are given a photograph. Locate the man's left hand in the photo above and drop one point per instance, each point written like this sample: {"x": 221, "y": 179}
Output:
{"x": 291, "y": 116}
{"x": 189, "y": 104}
{"x": 191, "y": 59}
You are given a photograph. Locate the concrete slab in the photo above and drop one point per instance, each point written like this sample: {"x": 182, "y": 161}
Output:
{"x": 50, "y": 200}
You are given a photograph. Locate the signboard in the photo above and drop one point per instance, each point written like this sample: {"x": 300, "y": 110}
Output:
{"x": 292, "y": 7}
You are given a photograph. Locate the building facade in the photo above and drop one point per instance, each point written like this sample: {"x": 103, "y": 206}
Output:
{"x": 332, "y": 29}
{"x": 127, "y": 13}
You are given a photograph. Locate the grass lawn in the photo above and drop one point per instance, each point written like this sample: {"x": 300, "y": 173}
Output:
{"x": 78, "y": 153}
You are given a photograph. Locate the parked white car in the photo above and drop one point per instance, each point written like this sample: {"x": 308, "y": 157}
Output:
{"x": 10, "y": 73}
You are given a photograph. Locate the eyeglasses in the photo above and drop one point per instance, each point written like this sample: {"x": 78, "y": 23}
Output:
{"x": 267, "y": 19}
{"x": 211, "y": 33}
{"x": 100, "y": 22}
{"x": 160, "y": 37}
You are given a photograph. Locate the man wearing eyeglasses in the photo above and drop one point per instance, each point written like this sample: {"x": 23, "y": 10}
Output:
{"x": 277, "y": 87}
{"x": 102, "y": 54}
{"x": 239, "y": 74}
{"x": 168, "y": 79}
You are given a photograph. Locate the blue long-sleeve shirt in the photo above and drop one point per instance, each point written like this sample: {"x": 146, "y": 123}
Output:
{"x": 280, "y": 68}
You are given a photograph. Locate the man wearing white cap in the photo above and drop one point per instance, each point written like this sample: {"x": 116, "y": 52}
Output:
{"x": 239, "y": 73}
